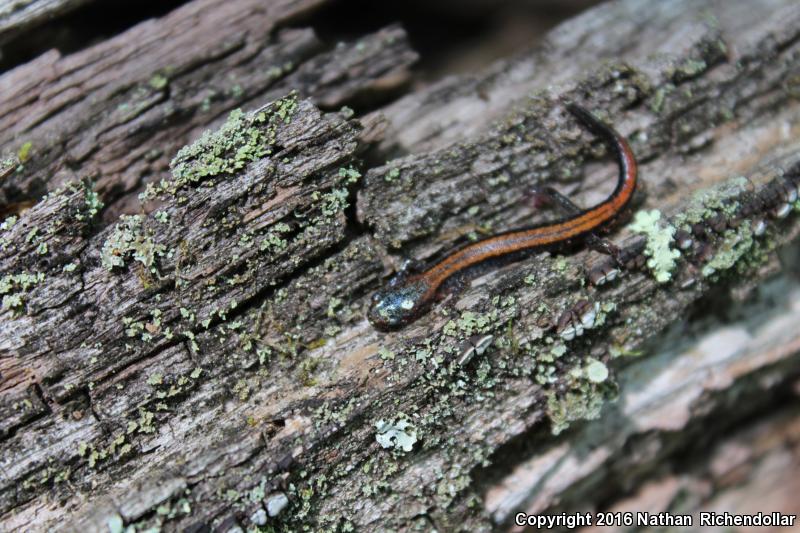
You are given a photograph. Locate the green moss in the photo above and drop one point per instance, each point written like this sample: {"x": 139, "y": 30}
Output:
{"x": 24, "y": 152}
{"x": 662, "y": 259}
{"x": 158, "y": 81}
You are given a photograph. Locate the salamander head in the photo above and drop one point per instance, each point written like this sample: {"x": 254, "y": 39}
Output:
{"x": 398, "y": 304}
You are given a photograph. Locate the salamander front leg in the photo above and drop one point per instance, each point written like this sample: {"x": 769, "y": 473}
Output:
{"x": 407, "y": 268}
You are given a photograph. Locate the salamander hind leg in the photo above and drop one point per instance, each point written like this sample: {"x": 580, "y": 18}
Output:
{"x": 603, "y": 271}
{"x": 550, "y": 196}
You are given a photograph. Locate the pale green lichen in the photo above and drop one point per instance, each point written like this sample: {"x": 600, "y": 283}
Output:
{"x": 349, "y": 174}
{"x": 596, "y": 371}
{"x": 392, "y": 174}
{"x": 85, "y": 212}
{"x": 8, "y": 223}
{"x": 583, "y": 404}
{"x": 588, "y": 388}
{"x": 657, "y": 101}
{"x": 13, "y": 285}
{"x": 128, "y": 240}
{"x": 91, "y": 203}
{"x": 736, "y": 243}
{"x": 115, "y": 524}
{"x": 386, "y": 354}
{"x": 243, "y": 138}
{"x": 400, "y": 434}
{"x": 242, "y": 390}
{"x": 272, "y": 240}
{"x": 333, "y": 202}
{"x": 708, "y": 202}
{"x": 145, "y": 422}
{"x": 469, "y": 323}
{"x": 689, "y": 68}
{"x": 558, "y": 350}
{"x": 662, "y": 259}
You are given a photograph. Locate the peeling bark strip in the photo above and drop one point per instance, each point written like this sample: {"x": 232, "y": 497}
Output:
{"x": 205, "y": 364}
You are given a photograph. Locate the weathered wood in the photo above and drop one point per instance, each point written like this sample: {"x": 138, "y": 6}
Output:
{"x": 18, "y": 17}
{"x": 195, "y": 364}
{"x": 689, "y": 391}
{"x": 120, "y": 110}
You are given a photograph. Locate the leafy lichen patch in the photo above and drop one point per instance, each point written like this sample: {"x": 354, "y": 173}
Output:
{"x": 129, "y": 240}
{"x": 399, "y": 435}
{"x": 244, "y": 138}
{"x": 736, "y": 243}
{"x": 662, "y": 258}
{"x": 12, "y": 287}
{"x": 708, "y": 202}
{"x": 584, "y": 402}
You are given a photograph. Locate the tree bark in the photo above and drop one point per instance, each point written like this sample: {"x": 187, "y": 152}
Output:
{"x": 183, "y": 342}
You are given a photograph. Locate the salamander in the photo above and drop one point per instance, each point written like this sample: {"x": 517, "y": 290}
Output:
{"x": 408, "y": 295}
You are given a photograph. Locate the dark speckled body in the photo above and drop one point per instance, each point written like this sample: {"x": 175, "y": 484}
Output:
{"x": 407, "y": 296}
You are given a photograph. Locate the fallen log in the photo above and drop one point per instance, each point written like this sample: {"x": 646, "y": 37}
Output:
{"x": 194, "y": 354}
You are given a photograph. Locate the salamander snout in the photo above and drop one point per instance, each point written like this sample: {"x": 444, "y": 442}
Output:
{"x": 395, "y": 306}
